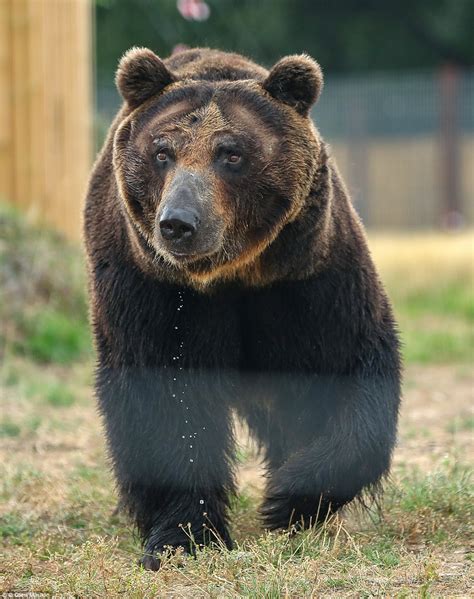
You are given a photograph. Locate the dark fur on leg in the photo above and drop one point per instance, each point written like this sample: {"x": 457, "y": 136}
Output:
{"x": 170, "y": 442}
{"x": 327, "y": 413}
{"x": 350, "y": 454}
{"x": 174, "y": 471}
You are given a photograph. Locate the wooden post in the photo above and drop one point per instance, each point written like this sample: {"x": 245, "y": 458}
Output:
{"x": 6, "y": 109}
{"x": 451, "y": 215}
{"x": 46, "y": 108}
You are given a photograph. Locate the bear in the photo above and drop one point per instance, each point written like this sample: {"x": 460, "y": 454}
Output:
{"x": 229, "y": 274}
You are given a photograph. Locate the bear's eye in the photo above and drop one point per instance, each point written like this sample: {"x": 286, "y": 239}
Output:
{"x": 229, "y": 156}
{"x": 234, "y": 158}
{"x": 162, "y": 155}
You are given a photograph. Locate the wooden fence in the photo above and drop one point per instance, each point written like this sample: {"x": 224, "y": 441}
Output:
{"x": 46, "y": 108}
{"x": 399, "y": 182}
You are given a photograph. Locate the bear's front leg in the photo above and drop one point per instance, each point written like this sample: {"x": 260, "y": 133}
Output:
{"x": 171, "y": 445}
{"x": 342, "y": 436}
{"x": 164, "y": 384}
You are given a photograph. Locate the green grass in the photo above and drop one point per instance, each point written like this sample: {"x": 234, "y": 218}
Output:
{"x": 428, "y": 346}
{"x": 438, "y": 505}
{"x": 382, "y": 553}
{"x": 15, "y": 528}
{"x": 430, "y": 280}
{"x": 461, "y": 423}
{"x": 9, "y": 428}
{"x": 82, "y": 547}
{"x": 55, "y": 337}
{"x": 437, "y": 322}
{"x": 42, "y": 294}
{"x": 454, "y": 298}
{"x": 449, "y": 493}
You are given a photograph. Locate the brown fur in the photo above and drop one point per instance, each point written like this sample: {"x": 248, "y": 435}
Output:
{"x": 176, "y": 119}
{"x": 266, "y": 301}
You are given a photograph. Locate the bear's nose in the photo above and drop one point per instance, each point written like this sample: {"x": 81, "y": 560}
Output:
{"x": 177, "y": 223}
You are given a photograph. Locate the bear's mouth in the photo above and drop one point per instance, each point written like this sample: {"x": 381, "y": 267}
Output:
{"x": 188, "y": 257}
{"x": 184, "y": 256}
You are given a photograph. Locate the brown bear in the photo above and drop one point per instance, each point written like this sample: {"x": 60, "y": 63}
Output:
{"x": 230, "y": 273}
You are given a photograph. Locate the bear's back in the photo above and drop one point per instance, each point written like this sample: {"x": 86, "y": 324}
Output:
{"x": 213, "y": 65}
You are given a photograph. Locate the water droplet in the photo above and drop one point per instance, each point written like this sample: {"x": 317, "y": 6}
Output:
{"x": 201, "y": 501}
{"x": 183, "y": 436}
{"x": 173, "y": 395}
{"x": 191, "y": 460}
{"x": 190, "y": 447}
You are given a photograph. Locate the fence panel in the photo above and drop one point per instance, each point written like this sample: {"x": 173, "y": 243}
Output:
{"x": 46, "y": 108}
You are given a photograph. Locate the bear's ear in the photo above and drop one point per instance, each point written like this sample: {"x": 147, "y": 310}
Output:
{"x": 141, "y": 75}
{"x": 295, "y": 80}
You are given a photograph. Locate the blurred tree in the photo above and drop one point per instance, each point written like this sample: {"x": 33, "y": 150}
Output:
{"x": 344, "y": 35}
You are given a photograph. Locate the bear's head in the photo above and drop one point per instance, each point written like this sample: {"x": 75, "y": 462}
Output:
{"x": 210, "y": 170}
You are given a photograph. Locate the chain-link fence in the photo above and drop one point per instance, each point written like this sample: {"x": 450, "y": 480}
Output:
{"x": 404, "y": 143}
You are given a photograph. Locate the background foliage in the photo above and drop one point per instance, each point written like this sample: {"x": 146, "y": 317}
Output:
{"x": 344, "y": 35}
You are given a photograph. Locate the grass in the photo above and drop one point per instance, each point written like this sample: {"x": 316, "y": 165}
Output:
{"x": 42, "y": 294}
{"x": 51, "y": 335}
{"x": 430, "y": 279}
{"x": 58, "y": 527}
{"x": 463, "y": 422}
{"x": 9, "y": 428}
{"x": 77, "y": 546}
